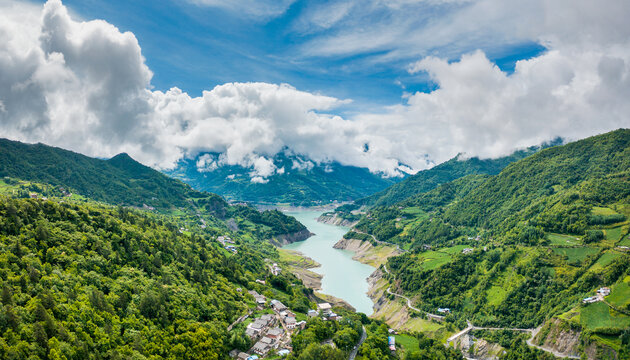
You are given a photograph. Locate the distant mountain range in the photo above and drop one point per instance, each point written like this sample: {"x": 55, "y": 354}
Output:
{"x": 301, "y": 181}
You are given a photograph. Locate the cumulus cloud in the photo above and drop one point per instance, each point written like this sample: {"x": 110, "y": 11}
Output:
{"x": 84, "y": 85}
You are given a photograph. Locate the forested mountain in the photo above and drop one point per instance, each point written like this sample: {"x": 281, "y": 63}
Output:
{"x": 524, "y": 246}
{"x": 554, "y": 189}
{"x": 119, "y": 180}
{"x": 445, "y": 172}
{"x": 300, "y": 181}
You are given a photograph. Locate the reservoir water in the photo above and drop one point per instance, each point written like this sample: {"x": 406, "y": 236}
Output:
{"x": 343, "y": 277}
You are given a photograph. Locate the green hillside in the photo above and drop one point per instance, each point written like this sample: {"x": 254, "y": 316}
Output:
{"x": 446, "y": 172}
{"x": 557, "y": 190}
{"x": 317, "y": 184}
{"x": 119, "y": 180}
{"x": 84, "y": 279}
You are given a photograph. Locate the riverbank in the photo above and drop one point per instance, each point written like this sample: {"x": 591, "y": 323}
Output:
{"x": 395, "y": 312}
{"x": 299, "y": 265}
{"x": 286, "y": 239}
{"x": 366, "y": 253}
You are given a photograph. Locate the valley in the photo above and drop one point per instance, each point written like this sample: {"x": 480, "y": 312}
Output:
{"x": 548, "y": 277}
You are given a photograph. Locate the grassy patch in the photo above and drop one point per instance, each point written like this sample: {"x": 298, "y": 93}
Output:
{"x": 612, "y": 341}
{"x": 605, "y": 259}
{"x": 625, "y": 241}
{"x": 414, "y": 210}
{"x": 577, "y": 254}
{"x": 613, "y": 234}
{"x": 496, "y": 294}
{"x": 603, "y": 211}
{"x": 434, "y": 259}
{"x": 407, "y": 342}
{"x": 619, "y": 295}
{"x": 422, "y": 325}
{"x": 598, "y": 315}
{"x": 562, "y": 240}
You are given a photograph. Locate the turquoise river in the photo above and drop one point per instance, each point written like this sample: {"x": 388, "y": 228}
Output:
{"x": 343, "y": 277}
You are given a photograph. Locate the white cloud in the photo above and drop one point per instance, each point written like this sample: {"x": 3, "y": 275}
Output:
{"x": 482, "y": 111}
{"x": 300, "y": 164}
{"x": 261, "y": 9}
{"x": 206, "y": 163}
{"x": 85, "y": 86}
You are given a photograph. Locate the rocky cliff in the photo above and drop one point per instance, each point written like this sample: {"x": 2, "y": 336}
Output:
{"x": 558, "y": 336}
{"x": 285, "y": 239}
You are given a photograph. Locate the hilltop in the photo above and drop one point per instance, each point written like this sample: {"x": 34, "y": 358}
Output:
{"x": 120, "y": 180}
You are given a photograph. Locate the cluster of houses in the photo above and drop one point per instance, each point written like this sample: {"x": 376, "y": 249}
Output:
{"x": 268, "y": 330}
{"x": 444, "y": 310}
{"x": 601, "y": 293}
{"x": 267, "y": 334}
{"x": 325, "y": 309}
{"x": 467, "y": 250}
{"x": 145, "y": 207}
{"x": 272, "y": 331}
{"x": 227, "y": 243}
{"x": 261, "y": 300}
{"x": 275, "y": 269}
{"x": 287, "y": 317}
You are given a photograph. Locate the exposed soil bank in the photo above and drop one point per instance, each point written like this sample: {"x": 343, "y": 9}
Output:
{"x": 366, "y": 253}
{"x": 335, "y": 220}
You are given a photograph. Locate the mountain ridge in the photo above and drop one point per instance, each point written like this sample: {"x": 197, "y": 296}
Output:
{"x": 300, "y": 181}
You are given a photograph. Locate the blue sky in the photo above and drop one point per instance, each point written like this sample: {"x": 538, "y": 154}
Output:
{"x": 196, "y": 46}
{"x": 389, "y": 85}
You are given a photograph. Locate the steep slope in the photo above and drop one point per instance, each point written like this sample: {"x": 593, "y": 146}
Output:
{"x": 300, "y": 181}
{"x": 123, "y": 181}
{"x": 119, "y": 180}
{"x": 554, "y": 182}
{"x": 554, "y": 190}
{"x": 82, "y": 279}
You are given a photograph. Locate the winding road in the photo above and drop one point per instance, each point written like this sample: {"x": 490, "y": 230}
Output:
{"x": 529, "y": 341}
{"x": 354, "y": 351}
{"x": 434, "y": 316}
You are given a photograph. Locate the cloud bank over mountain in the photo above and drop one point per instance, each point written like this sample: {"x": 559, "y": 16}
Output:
{"x": 84, "y": 85}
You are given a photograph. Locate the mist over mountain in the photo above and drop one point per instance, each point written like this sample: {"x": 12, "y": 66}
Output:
{"x": 290, "y": 179}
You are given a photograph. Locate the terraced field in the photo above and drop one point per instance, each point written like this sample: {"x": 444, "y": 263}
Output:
{"x": 576, "y": 254}
{"x": 563, "y": 240}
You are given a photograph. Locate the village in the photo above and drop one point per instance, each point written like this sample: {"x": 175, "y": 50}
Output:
{"x": 271, "y": 333}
